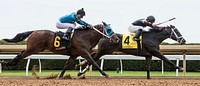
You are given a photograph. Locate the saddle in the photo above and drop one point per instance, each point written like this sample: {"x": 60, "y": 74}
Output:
{"x": 59, "y": 43}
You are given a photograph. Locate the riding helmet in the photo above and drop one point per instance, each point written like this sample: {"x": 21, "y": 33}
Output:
{"x": 151, "y": 19}
{"x": 81, "y": 12}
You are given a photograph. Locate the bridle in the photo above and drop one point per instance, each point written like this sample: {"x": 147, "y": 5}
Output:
{"x": 173, "y": 32}
{"x": 103, "y": 34}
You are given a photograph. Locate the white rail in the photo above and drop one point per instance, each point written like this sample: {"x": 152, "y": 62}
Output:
{"x": 106, "y": 57}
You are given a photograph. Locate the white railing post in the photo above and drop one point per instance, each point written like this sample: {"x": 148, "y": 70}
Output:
{"x": 0, "y": 68}
{"x": 121, "y": 65}
{"x": 102, "y": 60}
{"x": 162, "y": 67}
{"x": 177, "y": 64}
{"x": 27, "y": 65}
{"x": 40, "y": 66}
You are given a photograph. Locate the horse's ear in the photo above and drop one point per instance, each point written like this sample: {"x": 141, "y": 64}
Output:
{"x": 172, "y": 26}
{"x": 104, "y": 23}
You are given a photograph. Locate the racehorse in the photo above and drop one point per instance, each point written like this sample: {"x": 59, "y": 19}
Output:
{"x": 150, "y": 47}
{"x": 82, "y": 42}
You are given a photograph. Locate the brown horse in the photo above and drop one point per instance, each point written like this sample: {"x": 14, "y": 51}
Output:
{"x": 82, "y": 42}
{"x": 150, "y": 46}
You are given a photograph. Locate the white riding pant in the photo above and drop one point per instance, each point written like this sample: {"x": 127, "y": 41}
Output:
{"x": 133, "y": 28}
{"x": 60, "y": 25}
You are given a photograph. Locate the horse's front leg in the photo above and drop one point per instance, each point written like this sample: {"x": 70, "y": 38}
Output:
{"x": 71, "y": 59}
{"x": 157, "y": 53}
{"x": 96, "y": 57}
{"x": 85, "y": 61}
{"x": 88, "y": 57}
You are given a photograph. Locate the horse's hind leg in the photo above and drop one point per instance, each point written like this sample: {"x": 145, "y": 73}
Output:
{"x": 148, "y": 65}
{"x": 15, "y": 60}
{"x": 20, "y": 56}
{"x": 30, "y": 50}
{"x": 71, "y": 59}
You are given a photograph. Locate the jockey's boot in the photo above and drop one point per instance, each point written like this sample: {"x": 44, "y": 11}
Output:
{"x": 67, "y": 34}
{"x": 137, "y": 35}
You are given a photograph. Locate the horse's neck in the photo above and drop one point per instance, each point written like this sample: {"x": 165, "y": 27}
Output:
{"x": 95, "y": 37}
{"x": 159, "y": 36}
{"x": 89, "y": 35}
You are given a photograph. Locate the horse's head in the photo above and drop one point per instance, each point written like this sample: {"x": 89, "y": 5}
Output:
{"x": 175, "y": 34}
{"x": 105, "y": 30}
{"x": 109, "y": 32}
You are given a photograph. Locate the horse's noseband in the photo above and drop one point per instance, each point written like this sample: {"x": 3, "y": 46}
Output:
{"x": 173, "y": 32}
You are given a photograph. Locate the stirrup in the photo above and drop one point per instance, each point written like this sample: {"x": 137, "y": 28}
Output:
{"x": 65, "y": 38}
{"x": 136, "y": 39}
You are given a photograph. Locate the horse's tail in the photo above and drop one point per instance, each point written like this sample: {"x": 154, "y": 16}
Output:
{"x": 19, "y": 37}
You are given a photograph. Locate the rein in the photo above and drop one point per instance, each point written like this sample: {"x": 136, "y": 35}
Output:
{"x": 101, "y": 33}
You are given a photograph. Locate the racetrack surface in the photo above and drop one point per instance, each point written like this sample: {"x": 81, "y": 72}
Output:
{"x": 101, "y": 81}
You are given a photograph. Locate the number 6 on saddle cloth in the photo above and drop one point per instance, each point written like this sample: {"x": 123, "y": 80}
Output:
{"x": 59, "y": 43}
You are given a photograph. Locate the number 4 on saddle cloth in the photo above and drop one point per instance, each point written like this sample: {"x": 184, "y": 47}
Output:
{"x": 129, "y": 43}
{"x": 60, "y": 43}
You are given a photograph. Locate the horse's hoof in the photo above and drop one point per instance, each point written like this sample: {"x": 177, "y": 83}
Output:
{"x": 81, "y": 77}
{"x": 107, "y": 76}
{"x": 60, "y": 77}
{"x": 79, "y": 74}
{"x": 68, "y": 76}
{"x": 181, "y": 69}
{"x": 4, "y": 62}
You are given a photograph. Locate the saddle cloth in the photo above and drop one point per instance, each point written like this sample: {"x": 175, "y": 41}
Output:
{"x": 128, "y": 42}
{"x": 59, "y": 43}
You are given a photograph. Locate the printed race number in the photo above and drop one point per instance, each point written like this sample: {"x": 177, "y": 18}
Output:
{"x": 126, "y": 41}
{"x": 57, "y": 41}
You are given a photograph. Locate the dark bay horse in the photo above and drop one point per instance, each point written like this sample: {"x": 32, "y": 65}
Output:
{"x": 82, "y": 42}
{"x": 150, "y": 46}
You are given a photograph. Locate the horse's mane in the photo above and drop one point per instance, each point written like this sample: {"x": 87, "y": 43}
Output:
{"x": 153, "y": 31}
{"x": 82, "y": 28}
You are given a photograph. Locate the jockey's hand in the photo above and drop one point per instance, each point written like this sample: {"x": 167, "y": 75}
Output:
{"x": 154, "y": 25}
{"x": 166, "y": 26}
{"x": 91, "y": 27}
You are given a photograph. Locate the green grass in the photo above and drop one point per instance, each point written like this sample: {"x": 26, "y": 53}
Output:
{"x": 96, "y": 73}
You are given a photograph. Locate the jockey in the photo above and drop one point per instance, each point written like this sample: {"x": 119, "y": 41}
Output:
{"x": 139, "y": 25}
{"x": 68, "y": 22}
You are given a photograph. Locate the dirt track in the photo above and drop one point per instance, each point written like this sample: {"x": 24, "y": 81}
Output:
{"x": 100, "y": 81}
